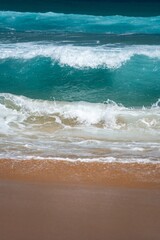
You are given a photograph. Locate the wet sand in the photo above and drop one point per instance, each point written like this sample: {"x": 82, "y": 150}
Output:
{"x": 82, "y": 201}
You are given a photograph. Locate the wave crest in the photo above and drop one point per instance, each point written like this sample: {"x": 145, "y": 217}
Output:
{"x": 109, "y": 114}
{"x": 11, "y": 21}
{"x": 77, "y": 130}
{"x": 79, "y": 57}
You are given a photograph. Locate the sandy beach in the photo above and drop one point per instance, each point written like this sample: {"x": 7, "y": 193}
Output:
{"x": 80, "y": 120}
{"x": 63, "y": 200}
{"x": 91, "y": 173}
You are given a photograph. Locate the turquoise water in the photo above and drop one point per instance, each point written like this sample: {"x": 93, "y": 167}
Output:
{"x": 44, "y": 78}
{"x": 78, "y": 86}
{"x": 61, "y": 22}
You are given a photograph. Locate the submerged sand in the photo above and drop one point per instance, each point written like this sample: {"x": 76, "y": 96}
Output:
{"x": 103, "y": 174}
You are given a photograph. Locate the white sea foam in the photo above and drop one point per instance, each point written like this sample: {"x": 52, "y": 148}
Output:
{"x": 85, "y": 160}
{"x": 107, "y": 115}
{"x": 78, "y": 130}
{"x": 79, "y": 56}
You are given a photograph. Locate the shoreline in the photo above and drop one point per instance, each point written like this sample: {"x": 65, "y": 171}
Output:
{"x": 131, "y": 175}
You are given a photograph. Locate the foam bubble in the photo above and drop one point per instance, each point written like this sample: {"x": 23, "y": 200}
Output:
{"x": 78, "y": 131}
{"x": 157, "y": 104}
{"x": 107, "y": 115}
{"x": 79, "y": 56}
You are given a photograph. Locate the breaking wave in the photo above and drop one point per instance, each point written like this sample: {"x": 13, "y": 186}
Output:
{"x": 78, "y": 131}
{"x": 77, "y": 56}
{"x": 107, "y": 115}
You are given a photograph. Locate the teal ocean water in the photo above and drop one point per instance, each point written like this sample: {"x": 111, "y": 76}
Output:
{"x": 79, "y": 86}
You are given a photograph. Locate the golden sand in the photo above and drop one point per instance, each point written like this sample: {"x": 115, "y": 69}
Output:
{"x": 104, "y": 174}
{"x": 58, "y": 200}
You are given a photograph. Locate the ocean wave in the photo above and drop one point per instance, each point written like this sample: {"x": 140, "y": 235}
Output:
{"x": 78, "y": 131}
{"x": 126, "y": 74}
{"x": 49, "y": 62}
{"x": 77, "y": 23}
{"x": 107, "y": 115}
{"x": 79, "y": 56}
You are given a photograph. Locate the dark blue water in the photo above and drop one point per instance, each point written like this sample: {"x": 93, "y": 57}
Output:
{"x": 89, "y": 7}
